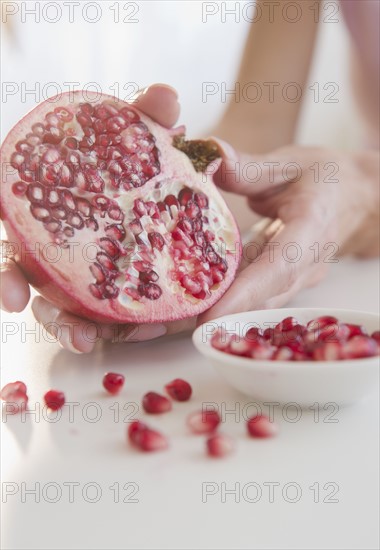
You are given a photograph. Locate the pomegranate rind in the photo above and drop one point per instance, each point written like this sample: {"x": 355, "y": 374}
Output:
{"x": 65, "y": 281}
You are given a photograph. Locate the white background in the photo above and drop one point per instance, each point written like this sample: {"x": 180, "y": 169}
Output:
{"x": 171, "y": 44}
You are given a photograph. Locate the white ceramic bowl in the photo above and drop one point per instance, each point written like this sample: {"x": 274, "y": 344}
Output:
{"x": 301, "y": 382}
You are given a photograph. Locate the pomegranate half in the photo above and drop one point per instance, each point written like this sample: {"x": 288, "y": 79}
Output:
{"x": 112, "y": 216}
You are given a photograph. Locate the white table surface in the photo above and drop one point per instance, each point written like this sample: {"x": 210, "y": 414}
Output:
{"x": 169, "y": 512}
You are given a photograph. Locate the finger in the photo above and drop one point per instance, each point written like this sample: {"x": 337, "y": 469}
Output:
{"x": 311, "y": 277}
{"x": 72, "y": 332}
{"x": 15, "y": 291}
{"x": 160, "y": 102}
{"x": 80, "y": 335}
{"x": 278, "y": 270}
{"x": 253, "y": 176}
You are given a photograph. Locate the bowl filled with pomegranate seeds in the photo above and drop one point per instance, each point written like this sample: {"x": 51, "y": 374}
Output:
{"x": 305, "y": 356}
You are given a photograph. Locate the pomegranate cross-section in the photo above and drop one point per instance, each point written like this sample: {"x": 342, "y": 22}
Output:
{"x": 114, "y": 217}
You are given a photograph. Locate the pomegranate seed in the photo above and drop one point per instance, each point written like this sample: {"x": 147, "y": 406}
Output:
{"x": 113, "y": 382}
{"x": 293, "y": 334}
{"x": 14, "y": 394}
{"x": 241, "y": 347}
{"x": 171, "y": 200}
{"x": 134, "y": 428}
{"x": 283, "y": 353}
{"x": 253, "y": 334}
{"x": 328, "y": 351}
{"x": 201, "y": 199}
{"x": 203, "y": 422}
{"x": 355, "y": 330}
{"x": 148, "y": 276}
{"x": 323, "y": 339}
{"x": 19, "y": 188}
{"x": 179, "y": 389}
{"x": 261, "y": 426}
{"x": 18, "y": 400}
{"x": 220, "y": 445}
{"x": 268, "y": 334}
{"x": 155, "y": 403}
{"x": 321, "y": 322}
{"x": 287, "y": 324}
{"x": 221, "y": 340}
{"x": 146, "y": 439}
{"x": 261, "y": 350}
{"x": 333, "y": 333}
{"x": 11, "y": 388}
{"x": 151, "y": 291}
{"x": 54, "y": 399}
{"x": 156, "y": 240}
{"x": 184, "y": 196}
{"x": 360, "y": 347}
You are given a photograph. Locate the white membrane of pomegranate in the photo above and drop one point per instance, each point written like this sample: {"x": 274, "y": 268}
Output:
{"x": 122, "y": 226}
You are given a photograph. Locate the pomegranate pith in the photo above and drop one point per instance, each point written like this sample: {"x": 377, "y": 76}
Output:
{"x": 128, "y": 228}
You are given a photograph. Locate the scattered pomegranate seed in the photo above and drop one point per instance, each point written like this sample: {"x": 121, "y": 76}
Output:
{"x": 113, "y": 382}
{"x": 220, "y": 445}
{"x": 135, "y": 427}
{"x": 155, "y": 403}
{"x": 14, "y": 394}
{"x": 18, "y": 400}
{"x": 179, "y": 389}
{"x": 203, "y": 422}
{"x": 322, "y": 339}
{"x": 146, "y": 439}
{"x": 54, "y": 399}
{"x": 11, "y": 388}
{"x": 261, "y": 426}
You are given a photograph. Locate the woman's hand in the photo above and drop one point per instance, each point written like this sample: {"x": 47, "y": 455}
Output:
{"x": 160, "y": 103}
{"x": 327, "y": 202}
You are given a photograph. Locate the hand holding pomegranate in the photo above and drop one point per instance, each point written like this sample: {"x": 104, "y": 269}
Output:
{"x": 327, "y": 202}
{"x": 317, "y": 216}
{"x": 139, "y": 233}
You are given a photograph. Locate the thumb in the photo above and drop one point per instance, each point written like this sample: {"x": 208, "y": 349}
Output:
{"x": 252, "y": 175}
{"x": 160, "y": 102}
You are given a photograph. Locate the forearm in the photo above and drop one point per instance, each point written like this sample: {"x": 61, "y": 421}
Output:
{"x": 272, "y": 60}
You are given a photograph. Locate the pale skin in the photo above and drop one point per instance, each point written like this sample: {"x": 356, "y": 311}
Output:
{"x": 344, "y": 212}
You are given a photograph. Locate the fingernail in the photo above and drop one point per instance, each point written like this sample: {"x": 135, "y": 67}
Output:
{"x": 66, "y": 341}
{"x": 137, "y": 95}
{"x": 140, "y": 333}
